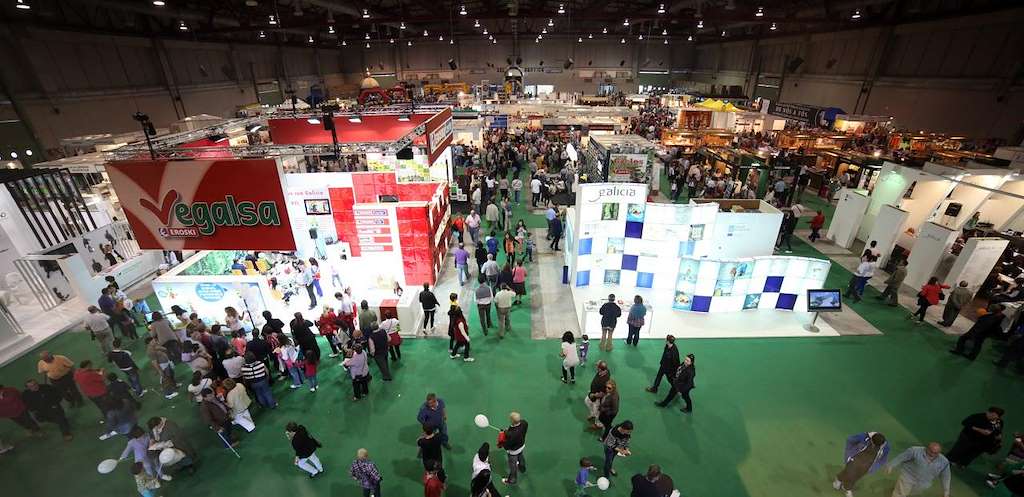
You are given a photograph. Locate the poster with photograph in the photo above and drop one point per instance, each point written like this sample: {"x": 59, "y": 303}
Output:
{"x": 686, "y": 248}
{"x": 635, "y": 212}
{"x": 616, "y": 245}
{"x": 726, "y": 279}
{"x": 697, "y": 232}
{"x": 817, "y": 270}
{"x": 744, "y": 270}
{"x": 612, "y": 276}
{"x": 751, "y": 301}
{"x": 688, "y": 269}
{"x": 683, "y": 301}
{"x": 610, "y": 211}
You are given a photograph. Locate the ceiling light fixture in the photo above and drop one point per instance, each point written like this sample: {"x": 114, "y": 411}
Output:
{"x": 408, "y": 43}
{"x": 401, "y": 25}
{"x": 344, "y": 43}
{"x": 262, "y": 34}
{"x": 561, "y": 8}
{"x": 425, "y": 33}
{"x": 723, "y": 33}
{"x": 476, "y": 23}
{"x": 579, "y": 40}
{"x": 689, "y": 37}
{"x": 272, "y": 21}
{"x": 493, "y": 41}
{"x": 623, "y": 41}
{"x": 310, "y": 40}
{"x": 625, "y": 22}
{"x": 856, "y": 14}
{"x": 640, "y": 37}
{"x": 462, "y": 10}
{"x": 661, "y": 8}
{"x": 604, "y": 31}
{"x": 252, "y": 3}
{"x": 700, "y": 24}
{"x": 590, "y": 36}
{"x": 551, "y": 22}
{"x": 773, "y": 27}
{"x": 485, "y": 30}
{"x": 544, "y": 31}
{"x": 760, "y": 12}
{"x": 182, "y": 26}
{"x": 330, "y": 29}
{"x": 391, "y": 41}
{"x": 367, "y": 44}
{"x": 666, "y": 41}
{"x": 14, "y": 155}
{"x": 440, "y": 37}
{"x": 156, "y": 3}
{"x": 537, "y": 40}
{"x": 664, "y": 32}
{"x": 366, "y": 14}
{"x": 366, "y": 36}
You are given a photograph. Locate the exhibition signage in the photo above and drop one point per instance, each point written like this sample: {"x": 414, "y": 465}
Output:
{"x": 623, "y": 167}
{"x": 439, "y": 130}
{"x": 809, "y": 114}
{"x": 213, "y": 205}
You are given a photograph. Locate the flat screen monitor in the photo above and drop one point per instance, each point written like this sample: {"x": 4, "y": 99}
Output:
{"x": 824, "y": 300}
{"x": 318, "y": 206}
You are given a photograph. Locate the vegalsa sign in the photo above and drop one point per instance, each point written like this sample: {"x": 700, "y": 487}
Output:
{"x": 214, "y": 205}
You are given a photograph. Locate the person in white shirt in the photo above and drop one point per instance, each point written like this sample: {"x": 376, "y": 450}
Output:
{"x": 517, "y": 187}
{"x": 98, "y": 325}
{"x": 476, "y": 197}
{"x": 503, "y": 305}
{"x": 534, "y": 191}
{"x": 865, "y": 270}
{"x": 473, "y": 225}
{"x": 306, "y": 280}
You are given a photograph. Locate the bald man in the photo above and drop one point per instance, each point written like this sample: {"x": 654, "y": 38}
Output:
{"x": 515, "y": 447}
{"x": 919, "y": 466}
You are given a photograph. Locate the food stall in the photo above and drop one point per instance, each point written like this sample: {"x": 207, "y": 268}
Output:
{"x": 857, "y": 124}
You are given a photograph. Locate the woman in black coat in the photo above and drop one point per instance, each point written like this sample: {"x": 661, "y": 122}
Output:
{"x": 682, "y": 383}
{"x": 981, "y": 433}
{"x": 305, "y": 449}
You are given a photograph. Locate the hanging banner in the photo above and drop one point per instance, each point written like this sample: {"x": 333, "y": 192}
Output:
{"x": 439, "y": 131}
{"x": 196, "y": 205}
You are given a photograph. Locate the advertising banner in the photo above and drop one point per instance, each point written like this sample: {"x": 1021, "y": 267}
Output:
{"x": 439, "y": 130}
{"x": 623, "y": 168}
{"x": 197, "y": 205}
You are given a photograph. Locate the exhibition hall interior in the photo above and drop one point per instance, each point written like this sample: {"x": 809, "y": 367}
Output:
{"x": 483, "y": 248}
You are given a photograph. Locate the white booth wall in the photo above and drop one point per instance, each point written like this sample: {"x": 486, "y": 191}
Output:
{"x": 969, "y": 197}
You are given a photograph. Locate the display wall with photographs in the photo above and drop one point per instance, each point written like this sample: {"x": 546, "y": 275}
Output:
{"x": 773, "y": 282}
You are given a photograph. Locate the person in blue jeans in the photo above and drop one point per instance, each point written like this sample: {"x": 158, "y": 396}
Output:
{"x": 255, "y": 375}
{"x": 616, "y": 444}
{"x": 433, "y": 415}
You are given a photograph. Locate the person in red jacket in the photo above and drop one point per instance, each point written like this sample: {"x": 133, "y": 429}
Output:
{"x": 91, "y": 383}
{"x": 928, "y": 296}
{"x": 816, "y": 224}
{"x": 12, "y": 407}
{"x": 328, "y": 326}
{"x": 460, "y": 334}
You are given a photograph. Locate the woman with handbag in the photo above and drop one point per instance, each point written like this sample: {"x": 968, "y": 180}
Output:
{"x": 359, "y": 370}
{"x": 392, "y": 328}
{"x": 635, "y": 320}
{"x": 930, "y": 294}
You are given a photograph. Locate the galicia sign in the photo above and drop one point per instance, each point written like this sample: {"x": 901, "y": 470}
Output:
{"x": 612, "y": 192}
{"x": 215, "y": 205}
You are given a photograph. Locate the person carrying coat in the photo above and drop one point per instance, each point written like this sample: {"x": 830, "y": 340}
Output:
{"x": 669, "y": 363}
{"x": 682, "y": 383}
{"x": 865, "y": 453}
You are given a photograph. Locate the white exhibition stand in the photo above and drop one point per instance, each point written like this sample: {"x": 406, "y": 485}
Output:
{"x": 849, "y": 214}
{"x": 889, "y": 189}
{"x": 976, "y": 261}
{"x": 933, "y": 243}
{"x": 888, "y": 222}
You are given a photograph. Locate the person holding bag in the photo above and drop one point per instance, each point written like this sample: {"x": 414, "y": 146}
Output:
{"x": 930, "y": 294}
{"x": 635, "y": 320}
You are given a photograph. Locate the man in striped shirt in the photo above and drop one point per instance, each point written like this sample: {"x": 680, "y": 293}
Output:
{"x": 255, "y": 375}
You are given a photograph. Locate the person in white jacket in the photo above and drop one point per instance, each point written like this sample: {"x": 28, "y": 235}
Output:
{"x": 865, "y": 270}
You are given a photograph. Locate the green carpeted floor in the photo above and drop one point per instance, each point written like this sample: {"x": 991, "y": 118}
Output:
{"x": 770, "y": 418}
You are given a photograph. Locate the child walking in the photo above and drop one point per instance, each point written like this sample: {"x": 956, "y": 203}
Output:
{"x": 583, "y": 477}
{"x": 584, "y": 348}
{"x": 311, "y": 359}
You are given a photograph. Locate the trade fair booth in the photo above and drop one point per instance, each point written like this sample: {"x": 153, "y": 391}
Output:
{"x": 696, "y": 266}
{"x": 624, "y": 159}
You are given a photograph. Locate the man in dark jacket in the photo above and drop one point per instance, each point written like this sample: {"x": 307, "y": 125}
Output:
{"x": 556, "y": 232}
{"x": 379, "y": 340}
{"x": 669, "y": 363}
{"x": 682, "y": 383}
{"x": 610, "y": 312}
{"x": 216, "y": 415}
{"x": 986, "y": 326}
{"x": 43, "y": 401}
{"x": 515, "y": 447}
{"x": 651, "y": 484}
{"x": 302, "y": 333}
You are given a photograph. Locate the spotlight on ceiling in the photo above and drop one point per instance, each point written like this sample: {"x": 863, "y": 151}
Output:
{"x": 366, "y": 14}
{"x": 625, "y": 22}
{"x": 773, "y": 27}
{"x": 262, "y": 34}
{"x": 330, "y": 29}
{"x": 310, "y": 40}
{"x": 408, "y": 43}
{"x": 661, "y": 8}
{"x": 476, "y": 23}
{"x": 700, "y": 24}
{"x": 551, "y": 22}
{"x": 579, "y": 40}
{"x": 156, "y": 3}
{"x": 664, "y": 32}
{"x": 760, "y": 12}
{"x": 182, "y": 26}
{"x": 666, "y": 41}
{"x": 856, "y": 14}
{"x": 272, "y": 21}
{"x": 425, "y": 33}
{"x": 401, "y": 25}
{"x": 462, "y": 10}
{"x": 344, "y": 43}
{"x": 561, "y": 8}
{"x": 590, "y": 36}
{"x": 23, "y": 5}
{"x": 623, "y": 41}
{"x": 604, "y": 31}
{"x": 689, "y": 37}
{"x": 367, "y": 45}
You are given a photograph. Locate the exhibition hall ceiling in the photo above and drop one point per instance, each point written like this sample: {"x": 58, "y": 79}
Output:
{"x": 331, "y": 22}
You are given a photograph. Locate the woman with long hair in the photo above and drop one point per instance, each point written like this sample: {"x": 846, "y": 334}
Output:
{"x": 929, "y": 295}
{"x": 314, "y": 266}
{"x": 570, "y": 358}
{"x": 305, "y": 447}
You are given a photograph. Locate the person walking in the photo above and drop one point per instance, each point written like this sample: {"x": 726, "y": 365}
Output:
{"x": 865, "y": 453}
{"x": 515, "y": 447}
{"x": 256, "y": 377}
{"x": 364, "y": 471}
{"x": 434, "y": 416}
{"x": 429, "y": 443}
{"x": 490, "y": 269}
{"x": 918, "y": 468}
{"x": 161, "y": 329}
{"x": 359, "y": 370}
{"x": 865, "y": 270}
{"x": 484, "y": 295}
{"x": 379, "y": 350}
{"x": 608, "y": 407}
{"x": 682, "y": 383}
{"x": 519, "y": 281}
{"x": 653, "y": 483}
{"x": 534, "y": 191}
{"x": 161, "y": 362}
{"x": 43, "y": 402}
{"x": 473, "y": 222}
{"x": 461, "y": 256}
{"x": 305, "y": 447}
{"x": 307, "y": 280}
{"x": 786, "y": 230}
{"x": 635, "y": 320}
{"x": 817, "y": 222}
{"x": 429, "y": 303}
{"x": 123, "y": 360}
{"x": 98, "y": 325}
{"x": 929, "y": 295}
{"x": 610, "y": 312}
{"x": 989, "y": 325}
{"x": 503, "y": 301}
{"x": 958, "y": 298}
{"x": 12, "y": 406}
{"x": 570, "y": 358}
{"x": 597, "y": 389}
{"x": 58, "y": 370}
{"x": 616, "y": 443}
{"x": 91, "y": 383}
{"x": 893, "y": 284}
{"x": 556, "y": 233}
{"x": 982, "y": 432}
{"x": 668, "y": 364}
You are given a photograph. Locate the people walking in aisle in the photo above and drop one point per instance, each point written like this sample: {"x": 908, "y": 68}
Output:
{"x": 429, "y": 303}
{"x": 305, "y": 447}
{"x": 490, "y": 270}
{"x": 787, "y": 228}
{"x": 434, "y": 416}
{"x": 682, "y": 384}
{"x": 988, "y": 325}
{"x": 865, "y": 453}
{"x": 473, "y": 223}
{"x": 570, "y": 358}
{"x": 365, "y": 471}
{"x": 893, "y": 284}
{"x": 610, "y": 312}
{"x": 515, "y": 447}
{"x": 306, "y": 279}
{"x": 503, "y": 301}
{"x": 484, "y": 295}
{"x": 461, "y": 257}
{"x": 616, "y": 443}
{"x": 982, "y": 432}
{"x": 667, "y": 365}
{"x": 58, "y": 370}
{"x": 460, "y": 334}
{"x": 124, "y": 362}
{"x": 556, "y": 233}
{"x": 359, "y": 370}
{"x": 958, "y": 298}
{"x": 635, "y": 320}
{"x": 928, "y": 296}
{"x": 43, "y": 402}
{"x": 918, "y": 468}
{"x": 865, "y": 270}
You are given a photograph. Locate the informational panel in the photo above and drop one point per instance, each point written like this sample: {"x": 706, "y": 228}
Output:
{"x": 846, "y": 221}
{"x": 775, "y": 282}
{"x": 373, "y": 228}
{"x": 933, "y": 243}
{"x": 623, "y": 168}
{"x": 886, "y": 230}
{"x": 745, "y": 234}
{"x": 215, "y": 204}
{"x": 976, "y": 261}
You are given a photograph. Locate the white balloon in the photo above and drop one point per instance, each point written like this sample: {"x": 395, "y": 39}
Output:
{"x": 106, "y": 466}
{"x": 171, "y": 456}
{"x": 481, "y": 421}
{"x": 675, "y": 493}
{"x": 603, "y": 483}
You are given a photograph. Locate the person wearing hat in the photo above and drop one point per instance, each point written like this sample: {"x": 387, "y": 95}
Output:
{"x": 682, "y": 383}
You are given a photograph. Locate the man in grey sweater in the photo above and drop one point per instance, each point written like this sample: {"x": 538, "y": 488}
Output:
{"x": 893, "y": 283}
{"x": 958, "y": 298}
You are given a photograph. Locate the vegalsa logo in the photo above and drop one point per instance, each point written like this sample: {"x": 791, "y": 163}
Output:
{"x": 612, "y": 191}
{"x": 203, "y": 219}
